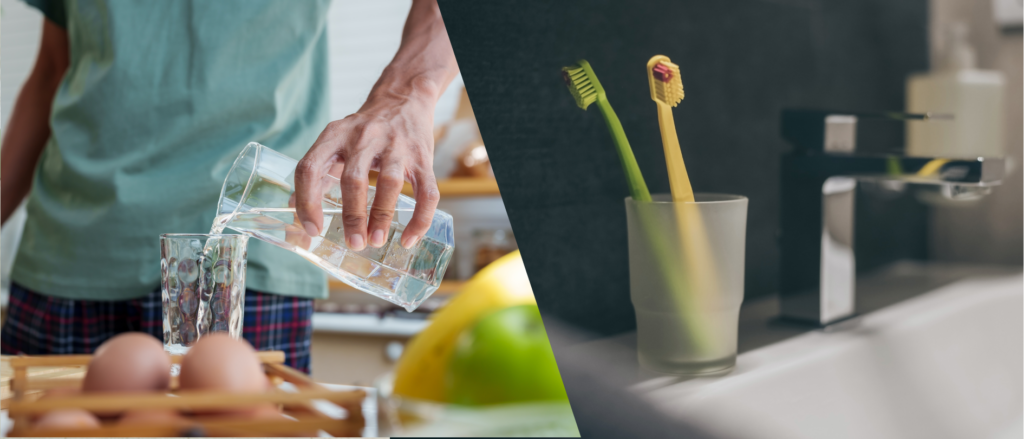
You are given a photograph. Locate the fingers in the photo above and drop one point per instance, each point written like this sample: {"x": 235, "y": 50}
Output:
{"x": 308, "y": 189}
{"x": 295, "y": 235}
{"x": 354, "y": 184}
{"x": 427, "y": 196}
{"x": 335, "y": 170}
{"x": 389, "y": 186}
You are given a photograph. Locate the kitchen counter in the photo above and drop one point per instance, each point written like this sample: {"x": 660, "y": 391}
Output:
{"x": 367, "y": 324}
{"x": 942, "y": 364}
{"x": 759, "y": 324}
{"x": 358, "y": 348}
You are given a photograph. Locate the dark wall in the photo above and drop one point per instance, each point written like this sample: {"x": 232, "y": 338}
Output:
{"x": 741, "y": 62}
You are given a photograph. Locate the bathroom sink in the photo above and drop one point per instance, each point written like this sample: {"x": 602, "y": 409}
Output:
{"x": 944, "y": 364}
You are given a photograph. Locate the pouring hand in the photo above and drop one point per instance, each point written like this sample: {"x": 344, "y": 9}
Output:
{"x": 392, "y": 133}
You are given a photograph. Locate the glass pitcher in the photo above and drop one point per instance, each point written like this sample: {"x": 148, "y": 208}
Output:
{"x": 258, "y": 200}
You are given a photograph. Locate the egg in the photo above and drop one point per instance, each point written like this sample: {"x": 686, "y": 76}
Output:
{"x": 129, "y": 363}
{"x": 59, "y": 392}
{"x": 219, "y": 362}
{"x": 67, "y": 419}
{"x": 152, "y": 417}
{"x": 264, "y": 412}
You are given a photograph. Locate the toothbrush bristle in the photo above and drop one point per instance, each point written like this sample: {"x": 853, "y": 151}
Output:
{"x": 669, "y": 86}
{"x": 579, "y": 84}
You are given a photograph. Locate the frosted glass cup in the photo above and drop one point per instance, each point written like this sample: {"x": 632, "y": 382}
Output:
{"x": 258, "y": 200}
{"x": 686, "y": 281}
{"x": 202, "y": 286}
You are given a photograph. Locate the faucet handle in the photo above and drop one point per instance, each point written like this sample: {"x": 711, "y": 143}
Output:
{"x": 813, "y": 130}
{"x": 840, "y": 133}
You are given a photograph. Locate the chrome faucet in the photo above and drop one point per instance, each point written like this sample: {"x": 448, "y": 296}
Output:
{"x": 819, "y": 179}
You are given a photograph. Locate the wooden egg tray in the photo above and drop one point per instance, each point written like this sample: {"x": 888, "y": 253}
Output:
{"x": 25, "y": 388}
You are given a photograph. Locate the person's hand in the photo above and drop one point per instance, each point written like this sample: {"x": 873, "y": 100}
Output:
{"x": 392, "y": 133}
{"x": 295, "y": 234}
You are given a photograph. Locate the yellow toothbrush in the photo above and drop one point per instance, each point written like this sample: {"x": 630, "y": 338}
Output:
{"x": 667, "y": 92}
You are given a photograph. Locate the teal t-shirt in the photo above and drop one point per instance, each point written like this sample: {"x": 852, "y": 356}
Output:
{"x": 159, "y": 99}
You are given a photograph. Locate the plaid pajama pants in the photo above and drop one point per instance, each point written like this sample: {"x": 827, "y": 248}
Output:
{"x": 42, "y": 325}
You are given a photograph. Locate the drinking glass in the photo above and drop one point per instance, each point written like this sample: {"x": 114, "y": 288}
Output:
{"x": 202, "y": 287}
{"x": 686, "y": 262}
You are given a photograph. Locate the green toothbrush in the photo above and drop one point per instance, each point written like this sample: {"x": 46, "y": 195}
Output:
{"x": 586, "y": 89}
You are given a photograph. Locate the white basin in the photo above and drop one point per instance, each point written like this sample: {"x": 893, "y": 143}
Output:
{"x": 945, "y": 364}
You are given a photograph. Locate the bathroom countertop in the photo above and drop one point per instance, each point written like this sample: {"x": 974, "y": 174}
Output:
{"x": 759, "y": 324}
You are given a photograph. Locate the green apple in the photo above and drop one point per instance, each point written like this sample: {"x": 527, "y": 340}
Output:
{"x": 505, "y": 357}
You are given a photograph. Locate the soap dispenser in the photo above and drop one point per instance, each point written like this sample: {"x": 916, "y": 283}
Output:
{"x": 972, "y": 96}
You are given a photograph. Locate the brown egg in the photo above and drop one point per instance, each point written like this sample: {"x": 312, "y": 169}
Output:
{"x": 60, "y": 392}
{"x": 264, "y": 411}
{"x": 67, "y": 419}
{"x": 130, "y": 362}
{"x": 219, "y": 362}
{"x": 153, "y": 417}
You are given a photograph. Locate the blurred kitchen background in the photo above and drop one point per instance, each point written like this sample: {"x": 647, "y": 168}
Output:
{"x": 742, "y": 62}
{"x": 357, "y": 337}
